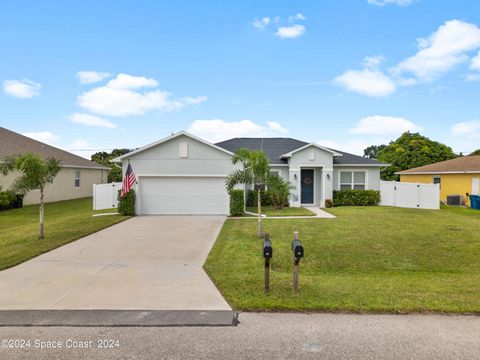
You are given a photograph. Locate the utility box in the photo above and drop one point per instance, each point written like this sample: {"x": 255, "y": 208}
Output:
{"x": 455, "y": 200}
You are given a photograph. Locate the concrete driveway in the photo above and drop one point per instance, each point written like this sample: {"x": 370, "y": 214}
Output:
{"x": 149, "y": 262}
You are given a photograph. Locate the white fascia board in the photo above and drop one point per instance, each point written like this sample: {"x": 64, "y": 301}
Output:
{"x": 308, "y": 145}
{"x": 361, "y": 165}
{"x": 436, "y": 172}
{"x": 168, "y": 138}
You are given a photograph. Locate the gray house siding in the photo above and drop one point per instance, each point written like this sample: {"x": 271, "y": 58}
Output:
{"x": 372, "y": 176}
{"x": 164, "y": 159}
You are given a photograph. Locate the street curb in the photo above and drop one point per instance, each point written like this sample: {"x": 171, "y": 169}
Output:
{"x": 116, "y": 318}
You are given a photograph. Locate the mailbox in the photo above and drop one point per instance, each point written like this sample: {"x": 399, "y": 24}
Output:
{"x": 297, "y": 249}
{"x": 267, "y": 249}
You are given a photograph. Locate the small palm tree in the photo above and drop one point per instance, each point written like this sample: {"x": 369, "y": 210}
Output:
{"x": 36, "y": 174}
{"x": 255, "y": 171}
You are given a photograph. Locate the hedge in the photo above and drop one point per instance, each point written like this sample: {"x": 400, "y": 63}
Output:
{"x": 356, "y": 197}
{"x": 126, "y": 204}
{"x": 10, "y": 200}
{"x": 252, "y": 198}
{"x": 237, "y": 202}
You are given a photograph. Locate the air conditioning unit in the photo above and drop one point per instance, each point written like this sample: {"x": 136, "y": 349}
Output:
{"x": 454, "y": 200}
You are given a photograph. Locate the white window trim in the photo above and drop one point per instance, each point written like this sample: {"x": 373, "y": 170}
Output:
{"x": 77, "y": 171}
{"x": 352, "y": 185}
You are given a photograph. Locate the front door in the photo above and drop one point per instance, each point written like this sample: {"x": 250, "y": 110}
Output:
{"x": 307, "y": 186}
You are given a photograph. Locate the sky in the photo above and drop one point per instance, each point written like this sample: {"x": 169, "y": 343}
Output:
{"x": 88, "y": 76}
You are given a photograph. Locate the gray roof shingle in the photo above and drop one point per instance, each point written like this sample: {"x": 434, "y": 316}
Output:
{"x": 12, "y": 143}
{"x": 274, "y": 148}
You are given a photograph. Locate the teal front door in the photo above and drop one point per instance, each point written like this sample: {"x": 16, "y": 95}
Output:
{"x": 306, "y": 187}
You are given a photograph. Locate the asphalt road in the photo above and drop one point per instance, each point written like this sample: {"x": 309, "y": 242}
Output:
{"x": 264, "y": 336}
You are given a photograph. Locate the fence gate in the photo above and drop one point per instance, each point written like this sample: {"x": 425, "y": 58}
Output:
{"x": 410, "y": 195}
{"x": 105, "y": 195}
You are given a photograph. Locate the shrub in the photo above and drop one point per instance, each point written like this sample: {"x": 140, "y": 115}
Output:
{"x": 356, "y": 197}
{"x": 328, "y": 203}
{"x": 237, "y": 202}
{"x": 278, "y": 191}
{"x": 252, "y": 198}
{"x": 9, "y": 200}
{"x": 126, "y": 204}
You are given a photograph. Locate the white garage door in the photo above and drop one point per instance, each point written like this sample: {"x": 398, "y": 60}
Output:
{"x": 182, "y": 195}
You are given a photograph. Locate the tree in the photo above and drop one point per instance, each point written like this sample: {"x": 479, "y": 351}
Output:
{"x": 255, "y": 171}
{"x": 410, "y": 151}
{"x": 371, "y": 152}
{"x": 36, "y": 174}
{"x": 476, "y": 152}
{"x": 105, "y": 158}
{"x": 279, "y": 190}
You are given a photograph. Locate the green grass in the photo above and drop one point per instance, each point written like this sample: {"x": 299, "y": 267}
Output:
{"x": 286, "y": 211}
{"x": 368, "y": 259}
{"x": 65, "y": 221}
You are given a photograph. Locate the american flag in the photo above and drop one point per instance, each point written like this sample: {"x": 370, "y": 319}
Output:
{"x": 128, "y": 181}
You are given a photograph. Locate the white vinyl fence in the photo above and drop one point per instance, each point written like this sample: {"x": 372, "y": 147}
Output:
{"x": 410, "y": 195}
{"x": 105, "y": 195}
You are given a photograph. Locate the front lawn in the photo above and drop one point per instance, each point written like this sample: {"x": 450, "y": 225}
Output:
{"x": 286, "y": 211}
{"x": 65, "y": 221}
{"x": 368, "y": 259}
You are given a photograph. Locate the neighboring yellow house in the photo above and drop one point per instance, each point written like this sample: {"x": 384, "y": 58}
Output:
{"x": 460, "y": 176}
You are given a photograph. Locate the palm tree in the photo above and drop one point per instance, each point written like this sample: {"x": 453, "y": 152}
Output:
{"x": 255, "y": 171}
{"x": 36, "y": 174}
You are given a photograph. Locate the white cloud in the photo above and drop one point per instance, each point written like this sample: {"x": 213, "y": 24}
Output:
{"x": 261, "y": 23}
{"x": 387, "y": 2}
{"x": 88, "y": 77}
{"x": 275, "y": 126}
{"x": 384, "y": 126}
{"x": 43, "y": 136}
{"x": 442, "y": 51}
{"x": 475, "y": 64}
{"x": 467, "y": 129}
{"x": 472, "y": 77}
{"x": 125, "y": 81}
{"x": 373, "y": 62}
{"x": 297, "y": 16}
{"x": 290, "y": 32}
{"x": 368, "y": 82}
{"x": 81, "y": 148}
{"x": 91, "y": 120}
{"x": 217, "y": 129}
{"x": 123, "y": 96}
{"x": 22, "y": 89}
{"x": 350, "y": 146}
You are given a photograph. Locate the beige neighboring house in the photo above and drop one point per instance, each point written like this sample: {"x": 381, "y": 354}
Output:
{"x": 75, "y": 179}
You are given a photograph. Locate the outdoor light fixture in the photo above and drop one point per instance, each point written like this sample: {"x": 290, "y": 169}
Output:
{"x": 295, "y": 176}
{"x": 328, "y": 176}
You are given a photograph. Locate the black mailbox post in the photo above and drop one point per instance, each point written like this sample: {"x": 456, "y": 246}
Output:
{"x": 267, "y": 255}
{"x": 298, "y": 253}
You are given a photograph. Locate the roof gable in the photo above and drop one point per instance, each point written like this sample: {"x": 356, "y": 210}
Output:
{"x": 168, "y": 138}
{"x": 12, "y": 143}
{"x": 309, "y": 145}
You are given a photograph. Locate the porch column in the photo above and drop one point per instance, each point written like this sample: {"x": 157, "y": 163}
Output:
{"x": 294, "y": 178}
{"x": 327, "y": 186}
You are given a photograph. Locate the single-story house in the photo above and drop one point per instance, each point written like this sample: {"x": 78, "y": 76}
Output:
{"x": 183, "y": 174}
{"x": 459, "y": 176}
{"x": 75, "y": 179}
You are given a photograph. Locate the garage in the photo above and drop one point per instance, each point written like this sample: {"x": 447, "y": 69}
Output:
{"x": 182, "y": 195}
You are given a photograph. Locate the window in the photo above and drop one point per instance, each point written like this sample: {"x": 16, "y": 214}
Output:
{"x": 353, "y": 180}
{"x": 437, "y": 180}
{"x": 274, "y": 173}
{"x": 77, "y": 178}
